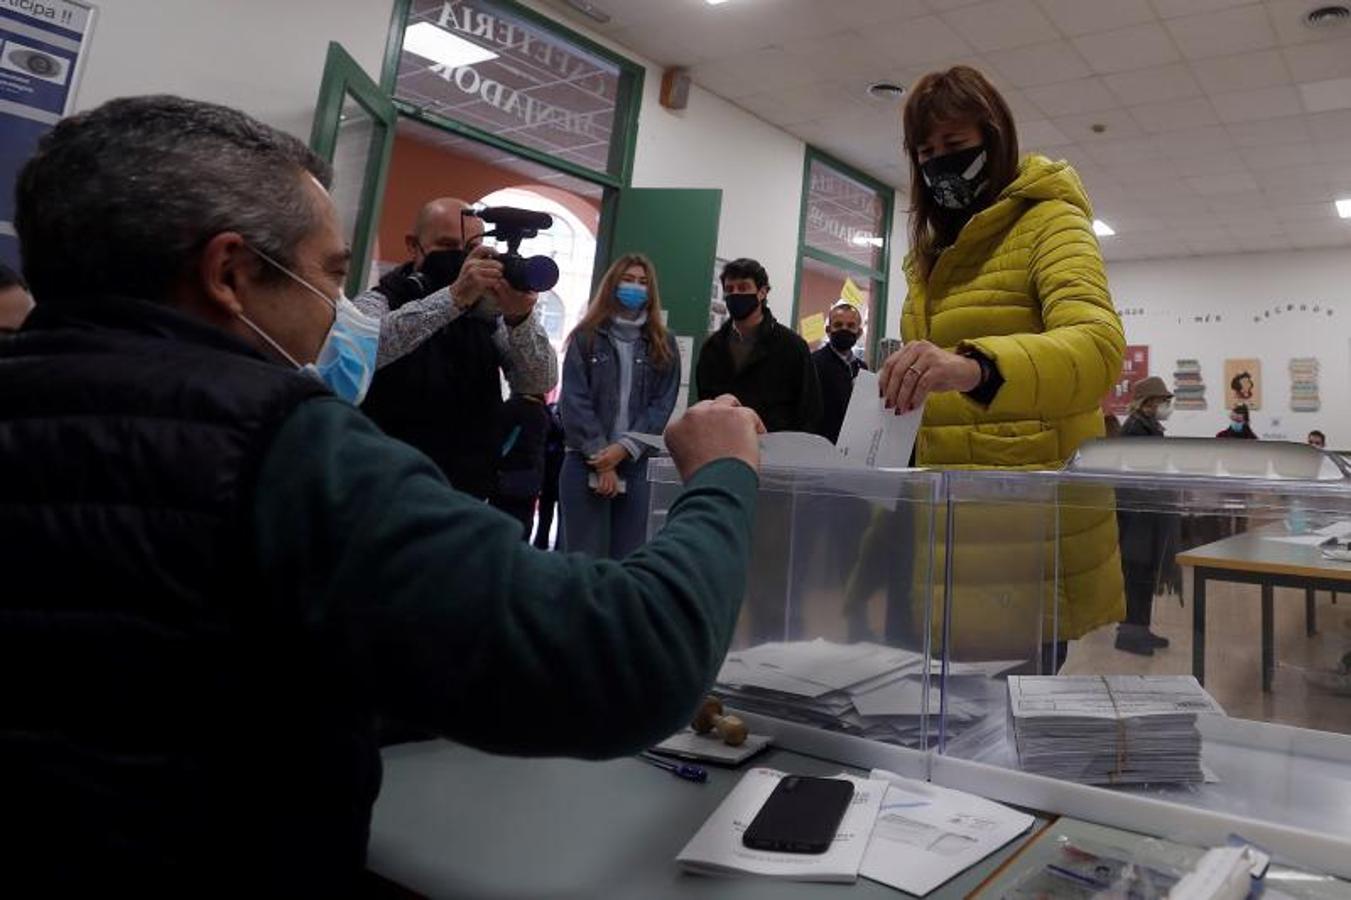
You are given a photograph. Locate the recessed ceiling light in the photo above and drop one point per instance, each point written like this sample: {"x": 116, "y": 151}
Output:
{"x": 440, "y": 46}
{"x": 1328, "y": 16}
{"x": 1344, "y": 208}
{"x": 715, "y": 2}
{"x": 1102, "y": 229}
{"x": 885, "y": 90}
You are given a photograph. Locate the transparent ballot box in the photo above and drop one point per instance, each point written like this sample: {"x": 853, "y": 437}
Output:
{"x": 1194, "y": 611}
{"x": 838, "y": 602}
{"x": 1157, "y": 637}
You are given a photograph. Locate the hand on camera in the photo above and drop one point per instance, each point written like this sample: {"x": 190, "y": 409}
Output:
{"x": 713, "y": 430}
{"x": 516, "y": 306}
{"x": 479, "y": 275}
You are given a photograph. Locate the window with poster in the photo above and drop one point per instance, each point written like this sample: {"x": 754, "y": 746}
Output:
{"x": 844, "y": 249}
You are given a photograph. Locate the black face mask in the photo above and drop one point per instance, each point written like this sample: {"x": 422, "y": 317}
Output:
{"x": 440, "y": 268}
{"x": 956, "y": 179}
{"x": 741, "y": 306}
{"x": 843, "y": 340}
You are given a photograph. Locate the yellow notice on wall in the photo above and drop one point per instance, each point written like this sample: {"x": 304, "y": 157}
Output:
{"x": 851, "y": 294}
{"x": 813, "y": 328}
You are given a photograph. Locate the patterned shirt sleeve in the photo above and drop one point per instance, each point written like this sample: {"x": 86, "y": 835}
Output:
{"x": 528, "y": 359}
{"x": 405, "y": 329}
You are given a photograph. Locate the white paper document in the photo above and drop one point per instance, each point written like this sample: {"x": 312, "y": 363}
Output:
{"x": 872, "y": 435}
{"x": 717, "y": 848}
{"x": 927, "y": 835}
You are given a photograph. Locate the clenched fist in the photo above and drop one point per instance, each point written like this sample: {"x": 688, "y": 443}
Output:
{"x": 713, "y": 430}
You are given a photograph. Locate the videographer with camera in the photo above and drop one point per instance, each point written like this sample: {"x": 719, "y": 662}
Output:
{"x": 452, "y": 318}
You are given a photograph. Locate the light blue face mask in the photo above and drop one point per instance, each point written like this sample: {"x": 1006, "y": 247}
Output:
{"x": 346, "y": 360}
{"x": 631, "y": 296}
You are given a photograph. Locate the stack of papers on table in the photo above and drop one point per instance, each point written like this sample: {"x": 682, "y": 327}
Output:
{"x": 1109, "y": 729}
{"x": 717, "y": 848}
{"x": 866, "y": 689}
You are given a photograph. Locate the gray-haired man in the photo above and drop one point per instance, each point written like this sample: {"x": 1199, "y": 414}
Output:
{"x": 217, "y": 574}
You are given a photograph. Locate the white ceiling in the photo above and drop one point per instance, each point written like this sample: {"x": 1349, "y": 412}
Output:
{"x": 1228, "y": 121}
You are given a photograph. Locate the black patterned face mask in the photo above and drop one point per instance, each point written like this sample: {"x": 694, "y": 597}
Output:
{"x": 956, "y": 179}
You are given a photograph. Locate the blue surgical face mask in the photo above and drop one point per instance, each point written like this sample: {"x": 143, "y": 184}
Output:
{"x": 632, "y": 296}
{"x": 346, "y": 360}
{"x": 1236, "y": 426}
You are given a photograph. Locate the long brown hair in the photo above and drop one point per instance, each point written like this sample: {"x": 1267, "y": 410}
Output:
{"x": 604, "y": 305}
{"x": 959, "y": 93}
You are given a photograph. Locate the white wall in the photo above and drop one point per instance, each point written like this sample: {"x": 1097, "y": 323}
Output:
{"x": 263, "y": 56}
{"x": 1173, "y": 293}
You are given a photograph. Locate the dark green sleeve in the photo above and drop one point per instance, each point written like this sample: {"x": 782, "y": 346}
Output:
{"x": 459, "y": 626}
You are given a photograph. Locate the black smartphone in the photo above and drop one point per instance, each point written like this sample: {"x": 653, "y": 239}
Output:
{"x": 800, "y": 816}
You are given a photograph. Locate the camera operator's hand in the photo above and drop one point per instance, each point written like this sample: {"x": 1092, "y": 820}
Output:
{"x": 479, "y": 275}
{"x": 516, "y": 306}
{"x": 713, "y": 430}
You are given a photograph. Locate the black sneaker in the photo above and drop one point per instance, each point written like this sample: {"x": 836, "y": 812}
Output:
{"x": 1135, "y": 643}
{"x": 1158, "y": 641}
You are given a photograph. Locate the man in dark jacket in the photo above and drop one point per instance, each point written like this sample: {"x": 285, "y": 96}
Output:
{"x": 837, "y": 367}
{"x": 218, "y": 574}
{"x": 1149, "y": 539}
{"x": 445, "y": 343}
{"x": 752, "y": 357}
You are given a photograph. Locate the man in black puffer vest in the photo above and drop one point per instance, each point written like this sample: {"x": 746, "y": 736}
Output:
{"x": 443, "y": 352}
{"x": 217, "y": 573}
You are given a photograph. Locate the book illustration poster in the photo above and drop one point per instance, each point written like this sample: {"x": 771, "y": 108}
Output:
{"x": 1243, "y": 383}
{"x": 1304, "y": 384}
{"x": 1188, "y": 387}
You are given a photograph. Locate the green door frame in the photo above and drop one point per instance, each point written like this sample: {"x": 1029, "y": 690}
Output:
{"x": 879, "y": 277}
{"x": 343, "y": 78}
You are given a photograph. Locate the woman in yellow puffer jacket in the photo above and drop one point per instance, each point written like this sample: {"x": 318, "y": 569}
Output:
{"x": 1011, "y": 342}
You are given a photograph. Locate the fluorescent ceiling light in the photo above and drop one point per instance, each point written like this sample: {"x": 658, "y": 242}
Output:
{"x": 1344, "y": 208}
{"x": 715, "y": 2}
{"x": 440, "y": 46}
{"x": 1102, "y": 229}
{"x": 866, "y": 240}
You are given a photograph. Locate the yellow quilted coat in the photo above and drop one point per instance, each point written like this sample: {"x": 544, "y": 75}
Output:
{"x": 1024, "y": 284}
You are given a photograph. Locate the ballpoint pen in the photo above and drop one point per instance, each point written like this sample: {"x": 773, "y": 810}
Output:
{"x": 679, "y": 770}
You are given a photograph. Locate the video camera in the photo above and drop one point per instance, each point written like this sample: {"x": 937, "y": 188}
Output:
{"x": 512, "y": 225}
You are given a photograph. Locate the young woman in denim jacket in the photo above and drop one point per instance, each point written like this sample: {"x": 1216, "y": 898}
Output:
{"x": 621, "y": 374}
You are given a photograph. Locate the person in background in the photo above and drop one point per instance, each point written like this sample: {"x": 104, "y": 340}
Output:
{"x": 1111, "y": 425}
{"x": 15, "y": 301}
{"x": 752, "y": 357}
{"x": 837, "y": 366}
{"x": 1011, "y": 336}
{"x": 1317, "y": 439}
{"x": 450, "y": 328}
{"x": 1149, "y": 539}
{"x": 554, "y": 451}
{"x": 215, "y": 585}
{"x": 621, "y": 374}
{"x": 520, "y": 472}
{"x": 1240, "y": 424}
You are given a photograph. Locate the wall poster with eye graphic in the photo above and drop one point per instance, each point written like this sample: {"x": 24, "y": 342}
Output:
{"x": 42, "y": 49}
{"x": 1243, "y": 383}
